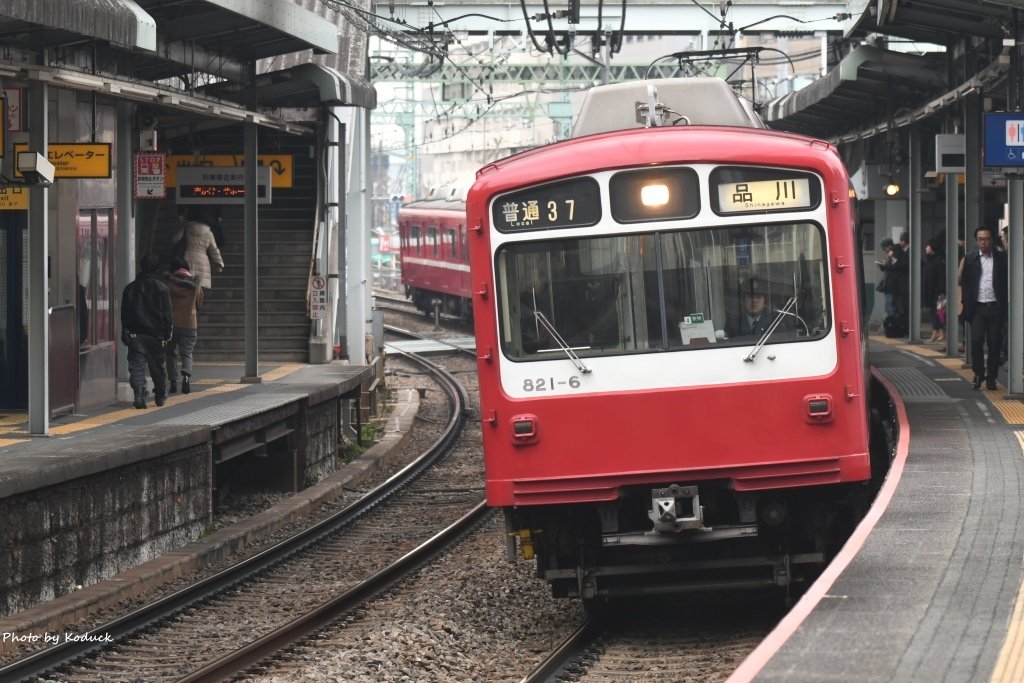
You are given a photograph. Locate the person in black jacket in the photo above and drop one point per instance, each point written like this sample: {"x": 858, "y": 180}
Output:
{"x": 897, "y": 275}
{"x": 984, "y": 293}
{"x": 146, "y": 329}
{"x": 933, "y": 286}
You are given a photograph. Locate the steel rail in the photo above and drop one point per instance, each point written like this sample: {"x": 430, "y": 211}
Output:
{"x": 567, "y": 652}
{"x": 238, "y": 661}
{"x": 103, "y": 637}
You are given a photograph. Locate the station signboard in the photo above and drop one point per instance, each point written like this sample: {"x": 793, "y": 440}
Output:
{"x": 219, "y": 185}
{"x": 150, "y": 171}
{"x": 1004, "y": 139}
{"x": 950, "y": 156}
{"x": 280, "y": 165}
{"x": 14, "y": 198}
{"x": 75, "y": 159}
{"x": 317, "y": 297}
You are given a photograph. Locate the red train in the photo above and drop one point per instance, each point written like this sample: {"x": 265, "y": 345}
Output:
{"x": 434, "y": 252}
{"x": 672, "y": 366}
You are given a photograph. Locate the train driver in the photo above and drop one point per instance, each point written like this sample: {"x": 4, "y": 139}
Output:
{"x": 756, "y": 316}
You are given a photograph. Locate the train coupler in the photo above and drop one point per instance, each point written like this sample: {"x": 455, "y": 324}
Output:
{"x": 674, "y": 508}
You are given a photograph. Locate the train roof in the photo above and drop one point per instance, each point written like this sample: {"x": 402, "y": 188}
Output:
{"x": 664, "y": 145}
{"x": 436, "y": 204}
{"x": 698, "y": 101}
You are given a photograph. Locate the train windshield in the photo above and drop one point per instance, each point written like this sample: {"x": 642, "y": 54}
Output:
{"x": 663, "y": 291}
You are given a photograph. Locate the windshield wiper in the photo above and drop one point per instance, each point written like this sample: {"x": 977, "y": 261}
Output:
{"x": 782, "y": 313}
{"x": 546, "y": 324}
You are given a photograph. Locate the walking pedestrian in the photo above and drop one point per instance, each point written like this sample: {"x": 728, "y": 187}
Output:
{"x": 200, "y": 250}
{"x": 933, "y": 286}
{"x": 145, "y": 330}
{"x": 186, "y": 299}
{"x": 984, "y": 293}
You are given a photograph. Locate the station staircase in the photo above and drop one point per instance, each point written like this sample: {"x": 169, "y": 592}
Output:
{"x": 285, "y": 246}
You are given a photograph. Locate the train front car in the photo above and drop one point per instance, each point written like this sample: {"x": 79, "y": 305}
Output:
{"x": 671, "y": 356}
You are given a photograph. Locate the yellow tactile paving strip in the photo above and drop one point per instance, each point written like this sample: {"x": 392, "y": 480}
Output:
{"x": 1010, "y": 664}
{"x": 12, "y": 425}
{"x": 1012, "y": 410}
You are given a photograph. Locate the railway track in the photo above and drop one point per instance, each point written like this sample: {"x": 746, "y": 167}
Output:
{"x": 666, "y": 641}
{"x": 470, "y": 615}
{"x": 401, "y": 305}
{"x": 338, "y": 562}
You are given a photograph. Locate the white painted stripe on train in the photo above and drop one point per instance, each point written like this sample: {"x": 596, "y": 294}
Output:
{"x": 461, "y": 267}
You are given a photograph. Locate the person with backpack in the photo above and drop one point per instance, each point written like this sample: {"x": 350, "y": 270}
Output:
{"x": 186, "y": 299}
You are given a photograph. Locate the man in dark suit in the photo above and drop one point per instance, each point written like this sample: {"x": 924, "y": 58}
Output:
{"x": 755, "y": 317}
{"x": 984, "y": 294}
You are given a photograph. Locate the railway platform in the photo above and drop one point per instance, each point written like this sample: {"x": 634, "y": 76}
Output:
{"x": 110, "y": 489}
{"x": 929, "y": 586}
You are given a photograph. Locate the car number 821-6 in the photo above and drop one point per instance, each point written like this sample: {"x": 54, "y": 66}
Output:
{"x": 550, "y": 384}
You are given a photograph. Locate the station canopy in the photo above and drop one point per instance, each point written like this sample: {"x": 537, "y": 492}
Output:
{"x": 873, "y": 89}
{"x": 168, "y": 53}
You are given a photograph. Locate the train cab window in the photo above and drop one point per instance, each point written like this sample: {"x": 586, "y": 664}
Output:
{"x": 676, "y": 290}
{"x": 728, "y": 286}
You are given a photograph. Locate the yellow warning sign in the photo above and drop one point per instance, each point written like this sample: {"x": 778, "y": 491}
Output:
{"x": 14, "y": 198}
{"x": 75, "y": 159}
{"x": 280, "y": 165}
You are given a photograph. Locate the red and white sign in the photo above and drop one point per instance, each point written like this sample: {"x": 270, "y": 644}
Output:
{"x": 150, "y": 175}
{"x": 317, "y": 297}
{"x": 14, "y": 109}
{"x": 384, "y": 243}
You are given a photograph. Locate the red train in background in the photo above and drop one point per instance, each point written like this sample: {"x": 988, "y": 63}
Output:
{"x": 434, "y": 253}
{"x": 672, "y": 356}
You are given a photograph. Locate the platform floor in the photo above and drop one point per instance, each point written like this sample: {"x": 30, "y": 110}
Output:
{"x": 929, "y": 588}
{"x": 105, "y": 438}
{"x": 81, "y": 443}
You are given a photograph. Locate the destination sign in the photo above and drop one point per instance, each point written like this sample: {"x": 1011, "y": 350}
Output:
{"x": 763, "y": 190}
{"x": 566, "y": 204}
{"x": 220, "y": 185}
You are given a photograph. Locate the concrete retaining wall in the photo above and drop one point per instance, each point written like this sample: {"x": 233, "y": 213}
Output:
{"x": 78, "y": 532}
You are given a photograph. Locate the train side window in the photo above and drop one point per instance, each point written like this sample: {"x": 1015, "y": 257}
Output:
{"x": 414, "y": 239}
{"x": 432, "y": 241}
{"x": 452, "y": 244}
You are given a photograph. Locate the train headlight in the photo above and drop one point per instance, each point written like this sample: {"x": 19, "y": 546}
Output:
{"x": 654, "y": 195}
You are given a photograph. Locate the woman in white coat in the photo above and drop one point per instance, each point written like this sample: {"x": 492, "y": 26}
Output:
{"x": 201, "y": 248}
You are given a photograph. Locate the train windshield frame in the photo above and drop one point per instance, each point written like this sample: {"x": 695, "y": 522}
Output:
{"x": 663, "y": 290}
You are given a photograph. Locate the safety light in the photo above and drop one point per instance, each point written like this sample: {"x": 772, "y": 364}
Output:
{"x": 891, "y": 190}
{"x": 524, "y": 429}
{"x": 654, "y": 195}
